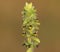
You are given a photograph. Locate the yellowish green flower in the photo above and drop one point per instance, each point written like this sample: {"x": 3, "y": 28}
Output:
{"x": 28, "y": 6}
{"x": 31, "y": 26}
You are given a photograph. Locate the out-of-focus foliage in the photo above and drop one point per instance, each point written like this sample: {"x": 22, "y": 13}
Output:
{"x": 30, "y": 27}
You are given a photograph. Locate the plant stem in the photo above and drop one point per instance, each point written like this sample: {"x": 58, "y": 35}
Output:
{"x": 31, "y": 49}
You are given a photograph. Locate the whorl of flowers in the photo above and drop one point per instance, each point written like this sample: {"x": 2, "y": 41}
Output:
{"x": 30, "y": 27}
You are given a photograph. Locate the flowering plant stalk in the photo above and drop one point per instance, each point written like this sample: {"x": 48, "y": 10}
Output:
{"x": 30, "y": 27}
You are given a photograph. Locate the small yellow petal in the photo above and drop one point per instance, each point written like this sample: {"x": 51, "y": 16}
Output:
{"x": 30, "y": 5}
{"x": 26, "y": 3}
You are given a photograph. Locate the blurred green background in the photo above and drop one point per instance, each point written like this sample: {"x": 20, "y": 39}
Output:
{"x": 11, "y": 21}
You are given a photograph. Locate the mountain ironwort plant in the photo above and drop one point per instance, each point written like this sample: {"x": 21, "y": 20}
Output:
{"x": 30, "y": 27}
